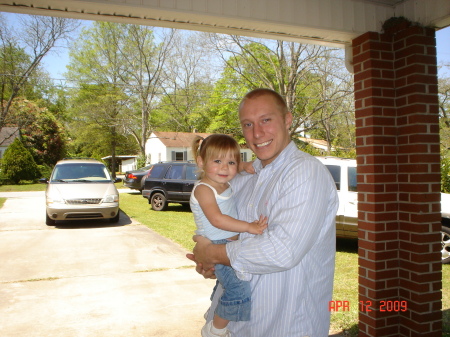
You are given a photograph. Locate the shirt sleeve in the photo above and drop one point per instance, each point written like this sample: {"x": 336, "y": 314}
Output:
{"x": 299, "y": 206}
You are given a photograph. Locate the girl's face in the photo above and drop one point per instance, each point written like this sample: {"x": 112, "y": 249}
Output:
{"x": 219, "y": 169}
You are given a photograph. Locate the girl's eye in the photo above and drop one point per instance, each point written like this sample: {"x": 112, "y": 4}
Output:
{"x": 217, "y": 161}
{"x": 232, "y": 163}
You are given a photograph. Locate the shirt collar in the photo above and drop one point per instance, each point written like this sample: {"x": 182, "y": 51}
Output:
{"x": 290, "y": 148}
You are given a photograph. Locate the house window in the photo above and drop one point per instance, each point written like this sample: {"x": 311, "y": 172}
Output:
{"x": 179, "y": 155}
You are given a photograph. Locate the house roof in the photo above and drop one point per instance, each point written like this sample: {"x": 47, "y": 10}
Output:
{"x": 7, "y": 135}
{"x": 123, "y": 157}
{"x": 178, "y": 139}
{"x": 317, "y": 143}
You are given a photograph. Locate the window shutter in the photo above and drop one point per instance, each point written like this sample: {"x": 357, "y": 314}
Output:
{"x": 174, "y": 156}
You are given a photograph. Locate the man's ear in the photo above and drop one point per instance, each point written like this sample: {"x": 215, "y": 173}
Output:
{"x": 288, "y": 120}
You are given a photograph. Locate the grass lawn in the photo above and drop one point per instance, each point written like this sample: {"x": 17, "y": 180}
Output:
{"x": 23, "y": 187}
{"x": 177, "y": 224}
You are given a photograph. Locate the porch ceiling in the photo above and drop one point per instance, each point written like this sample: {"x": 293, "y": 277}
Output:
{"x": 328, "y": 22}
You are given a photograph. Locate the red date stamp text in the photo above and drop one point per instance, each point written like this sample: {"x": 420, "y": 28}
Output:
{"x": 367, "y": 306}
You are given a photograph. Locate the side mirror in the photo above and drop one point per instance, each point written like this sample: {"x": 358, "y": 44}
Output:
{"x": 43, "y": 181}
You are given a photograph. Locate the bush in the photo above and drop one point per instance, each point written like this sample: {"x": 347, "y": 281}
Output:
{"x": 45, "y": 171}
{"x": 18, "y": 164}
{"x": 141, "y": 161}
{"x": 445, "y": 175}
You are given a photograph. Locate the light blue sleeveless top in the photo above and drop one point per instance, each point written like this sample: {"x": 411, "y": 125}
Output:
{"x": 227, "y": 206}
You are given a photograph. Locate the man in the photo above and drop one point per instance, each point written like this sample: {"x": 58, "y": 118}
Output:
{"x": 291, "y": 265}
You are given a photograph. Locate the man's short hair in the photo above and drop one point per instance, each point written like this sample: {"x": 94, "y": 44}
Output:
{"x": 279, "y": 100}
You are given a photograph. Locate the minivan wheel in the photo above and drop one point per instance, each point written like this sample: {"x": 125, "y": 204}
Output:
{"x": 445, "y": 241}
{"x": 159, "y": 202}
{"x": 49, "y": 221}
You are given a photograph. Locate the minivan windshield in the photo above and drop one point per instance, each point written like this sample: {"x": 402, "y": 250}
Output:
{"x": 77, "y": 172}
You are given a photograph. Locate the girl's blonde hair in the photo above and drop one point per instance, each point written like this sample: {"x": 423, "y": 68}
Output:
{"x": 216, "y": 145}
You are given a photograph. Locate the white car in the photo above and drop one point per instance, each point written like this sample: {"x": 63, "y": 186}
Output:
{"x": 81, "y": 189}
{"x": 344, "y": 175}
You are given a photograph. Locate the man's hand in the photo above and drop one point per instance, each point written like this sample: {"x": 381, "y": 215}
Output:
{"x": 201, "y": 251}
{"x": 200, "y": 257}
{"x": 199, "y": 268}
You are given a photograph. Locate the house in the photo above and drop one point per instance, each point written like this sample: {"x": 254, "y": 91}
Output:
{"x": 125, "y": 163}
{"x": 176, "y": 146}
{"x": 7, "y": 137}
{"x": 318, "y": 144}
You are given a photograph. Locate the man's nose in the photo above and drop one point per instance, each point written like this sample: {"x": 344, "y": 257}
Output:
{"x": 257, "y": 131}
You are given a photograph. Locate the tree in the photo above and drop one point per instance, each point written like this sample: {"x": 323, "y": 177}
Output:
{"x": 444, "y": 113}
{"x": 22, "y": 51}
{"x": 145, "y": 61}
{"x": 41, "y": 133}
{"x": 334, "y": 113}
{"x": 18, "y": 163}
{"x": 97, "y": 65}
{"x": 188, "y": 82}
{"x": 297, "y": 71}
{"x": 101, "y": 109}
{"x": 125, "y": 64}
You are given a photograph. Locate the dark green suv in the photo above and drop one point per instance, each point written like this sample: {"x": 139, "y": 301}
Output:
{"x": 169, "y": 182}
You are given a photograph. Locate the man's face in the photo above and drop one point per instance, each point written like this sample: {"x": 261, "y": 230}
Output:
{"x": 265, "y": 128}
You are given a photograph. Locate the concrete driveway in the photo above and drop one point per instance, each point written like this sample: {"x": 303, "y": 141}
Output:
{"x": 93, "y": 279}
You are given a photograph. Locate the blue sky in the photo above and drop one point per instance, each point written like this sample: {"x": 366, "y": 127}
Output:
{"x": 58, "y": 62}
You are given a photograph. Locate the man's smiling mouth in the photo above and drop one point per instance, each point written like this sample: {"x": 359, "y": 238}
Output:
{"x": 264, "y": 144}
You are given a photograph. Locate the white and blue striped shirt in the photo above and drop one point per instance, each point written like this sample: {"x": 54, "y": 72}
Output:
{"x": 292, "y": 262}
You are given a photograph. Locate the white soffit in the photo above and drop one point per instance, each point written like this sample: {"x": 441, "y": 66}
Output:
{"x": 328, "y": 22}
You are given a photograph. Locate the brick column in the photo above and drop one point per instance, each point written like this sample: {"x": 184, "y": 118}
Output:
{"x": 397, "y": 134}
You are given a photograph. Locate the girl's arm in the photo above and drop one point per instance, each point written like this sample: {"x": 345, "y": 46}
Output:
{"x": 207, "y": 200}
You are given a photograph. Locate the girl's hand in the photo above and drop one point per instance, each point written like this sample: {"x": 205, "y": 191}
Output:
{"x": 258, "y": 226}
{"x": 247, "y": 166}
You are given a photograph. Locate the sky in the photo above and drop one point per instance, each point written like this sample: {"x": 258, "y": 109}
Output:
{"x": 55, "y": 63}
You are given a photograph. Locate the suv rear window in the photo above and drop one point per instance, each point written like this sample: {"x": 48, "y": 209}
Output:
{"x": 157, "y": 170}
{"x": 175, "y": 172}
{"x": 191, "y": 172}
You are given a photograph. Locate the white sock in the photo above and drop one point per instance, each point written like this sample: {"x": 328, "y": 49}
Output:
{"x": 216, "y": 331}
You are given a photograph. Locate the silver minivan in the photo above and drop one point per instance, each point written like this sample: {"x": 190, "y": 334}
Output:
{"x": 81, "y": 189}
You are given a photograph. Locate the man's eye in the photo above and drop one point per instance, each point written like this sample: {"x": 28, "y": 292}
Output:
{"x": 247, "y": 125}
{"x": 266, "y": 120}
